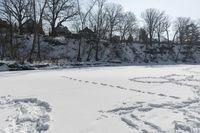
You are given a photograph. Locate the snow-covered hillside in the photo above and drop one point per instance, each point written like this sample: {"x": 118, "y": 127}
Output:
{"x": 135, "y": 99}
{"x": 65, "y": 50}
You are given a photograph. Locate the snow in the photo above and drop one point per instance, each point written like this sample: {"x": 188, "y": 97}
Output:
{"x": 4, "y": 67}
{"x": 129, "y": 99}
{"x": 54, "y": 49}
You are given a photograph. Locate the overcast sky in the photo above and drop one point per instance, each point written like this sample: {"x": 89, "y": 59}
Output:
{"x": 186, "y": 8}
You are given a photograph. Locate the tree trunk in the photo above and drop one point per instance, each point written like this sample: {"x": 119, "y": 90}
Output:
{"x": 79, "y": 50}
{"x": 111, "y": 33}
{"x": 89, "y": 53}
{"x": 2, "y": 44}
{"x": 20, "y": 26}
{"x": 159, "y": 39}
{"x": 150, "y": 39}
{"x": 53, "y": 29}
{"x": 38, "y": 43}
{"x": 35, "y": 34}
{"x": 167, "y": 36}
{"x": 11, "y": 39}
{"x": 177, "y": 55}
{"x": 97, "y": 51}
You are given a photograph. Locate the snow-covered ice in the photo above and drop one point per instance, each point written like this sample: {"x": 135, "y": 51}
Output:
{"x": 131, "y": 99}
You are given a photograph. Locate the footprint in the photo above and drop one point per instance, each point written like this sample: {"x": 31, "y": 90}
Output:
{"x": 95, "y": 83}
{"x": 151, "y": 93}
{"x": 162, "y": 95}
{"x": 174, "y": 97}
{"x": 130, "y": 123}
{"x": 133, "y": 90}
{"x": 104, "y": 84}
{"x": 145, "y": 109}
{"x": 120, "y": 87}
{"x": 153, "y": 126}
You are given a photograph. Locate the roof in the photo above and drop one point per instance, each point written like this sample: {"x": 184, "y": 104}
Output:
{"x": 62, "y": 30}
{"x": 87, "y": 31}
{"x": 29, "y": 21}
{"x": 3, "y": 24}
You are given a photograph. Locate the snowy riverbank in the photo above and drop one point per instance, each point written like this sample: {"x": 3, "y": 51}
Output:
{"x": 101, "y": 100}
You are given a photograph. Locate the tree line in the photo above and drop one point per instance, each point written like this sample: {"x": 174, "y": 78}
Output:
{"x": 108, "y": 20}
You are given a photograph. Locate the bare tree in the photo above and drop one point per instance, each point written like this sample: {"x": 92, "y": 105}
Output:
{"x": 35, "y": 31}
{"x": 143, "y": 36}
{"x": 192, "y": 36}
{"x": 114, "y": 13}
{"x": 180, "y": 26}
{"x": 162, "y": 26}
{"x": 6, "y": 14}
{"x": 83, "y": 15}
{"x": 19, "y": 9}
{"x": 192, "y": 33}
{"x": 60, "y": 11}
{"x": 152, "y": 18}
{"x": 38, "y": 10}
{"x": 127, "y": 25}
{"x": 97, "y": 20}
{"x": 42, "y": 7}
{"x": 167, "y": 25}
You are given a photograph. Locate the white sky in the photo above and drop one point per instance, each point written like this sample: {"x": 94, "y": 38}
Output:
{"x": 175, "y": 8}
